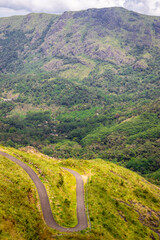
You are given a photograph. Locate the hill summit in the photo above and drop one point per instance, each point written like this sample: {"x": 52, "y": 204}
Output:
{"x": 78, "y": 41}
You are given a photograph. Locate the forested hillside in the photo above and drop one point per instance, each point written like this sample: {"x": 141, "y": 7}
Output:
{"x": 84, "y": 85}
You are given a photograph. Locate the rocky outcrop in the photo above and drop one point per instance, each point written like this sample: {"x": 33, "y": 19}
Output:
{"x": 52, "y": 42}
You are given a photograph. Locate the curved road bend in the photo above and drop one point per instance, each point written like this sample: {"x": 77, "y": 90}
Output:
{"x": 46, "y": 209}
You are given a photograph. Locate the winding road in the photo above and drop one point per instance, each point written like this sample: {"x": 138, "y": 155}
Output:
{"x": 45, "y": 205}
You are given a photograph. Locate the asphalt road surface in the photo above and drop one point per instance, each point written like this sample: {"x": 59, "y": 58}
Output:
{"x": 45, "y": 205}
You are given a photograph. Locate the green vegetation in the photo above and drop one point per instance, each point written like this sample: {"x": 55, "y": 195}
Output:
{"x": 121, "y": 203}
{"x": 124, "y": 133}
{"x": 60, "y": 185}
{"x": 19, "y": 214}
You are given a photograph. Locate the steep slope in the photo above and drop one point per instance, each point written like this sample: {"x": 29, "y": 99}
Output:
{"x": 108, "y": 51}
{"x": 121, "y": 203}
{"x": 79, "y": 41}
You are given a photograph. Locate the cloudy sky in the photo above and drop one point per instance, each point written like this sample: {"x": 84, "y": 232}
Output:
{"x": 20, "y": 7}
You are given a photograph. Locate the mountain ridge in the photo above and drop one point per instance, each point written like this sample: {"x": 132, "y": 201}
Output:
{"x": 50, "y": 25}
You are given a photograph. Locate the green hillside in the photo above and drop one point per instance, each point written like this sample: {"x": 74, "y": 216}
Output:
{"x": 83, "y": 85}
{"x": 122, "y": 205}
{"x": 80, "y": 44}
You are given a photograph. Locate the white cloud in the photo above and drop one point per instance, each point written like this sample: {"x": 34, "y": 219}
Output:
{"x": 155, "y": 10}
{"x": 61, "y": 5}
{"x": 151, "y": 7}
{"x": 7, "y": 12}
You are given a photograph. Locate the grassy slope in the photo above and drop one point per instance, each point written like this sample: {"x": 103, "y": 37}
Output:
{"x": 122, "y": 205}
{"x": 19, "y": 214}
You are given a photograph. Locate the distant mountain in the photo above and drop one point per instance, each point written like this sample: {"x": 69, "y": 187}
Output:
{"x": 79, "y": 41}
{"x": 84, "y": 85}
